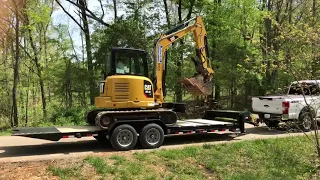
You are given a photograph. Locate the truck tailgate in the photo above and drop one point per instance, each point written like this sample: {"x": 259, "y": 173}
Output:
{"x": 267, "y": 104}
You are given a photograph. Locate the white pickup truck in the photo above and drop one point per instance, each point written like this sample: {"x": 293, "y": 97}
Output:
{"x": 292, "y": 106}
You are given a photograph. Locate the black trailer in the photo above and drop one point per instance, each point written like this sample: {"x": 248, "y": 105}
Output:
{"x": 124, "y": 135}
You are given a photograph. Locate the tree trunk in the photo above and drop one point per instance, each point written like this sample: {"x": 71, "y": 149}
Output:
{"x": 16, "y": 72}
{"x": 36, "y": 61}
{"x": 217, "y": 91}
{"x": 233, "y": 93}
{"x": 115, "y": 10}
{"x": 27, "y": 100}
{"x": 68, "y": 85}
{"x": 178, "y": 89}
{"x": 167, "y": 13}
{"x": 8, "y": 87}
{"x": 288, "y": 56}
{"x": 179, "y": 62}
{"x": 266, "y": 44}
{"x": 39, "y": 73}
{"x": 43, "y": 97}
{"x": 83, "y": 93}
{"x": 315, "y": 58}
{"x": 88, "y": 49}
{"x": 46, "y": 59}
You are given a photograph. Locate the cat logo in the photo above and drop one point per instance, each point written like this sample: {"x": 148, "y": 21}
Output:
{"x": 147, "y": 87}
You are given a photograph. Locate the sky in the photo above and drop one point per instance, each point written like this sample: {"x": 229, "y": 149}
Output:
{"x": 60, "y": 17}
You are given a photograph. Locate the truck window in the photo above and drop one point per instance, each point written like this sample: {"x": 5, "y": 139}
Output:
{"x": 307, "y": 88}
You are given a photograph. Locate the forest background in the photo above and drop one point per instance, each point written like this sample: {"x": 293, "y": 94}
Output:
{"x": 52, "y": 52}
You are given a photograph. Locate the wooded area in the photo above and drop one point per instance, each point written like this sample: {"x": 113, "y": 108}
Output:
{"x": 256, "y": 47}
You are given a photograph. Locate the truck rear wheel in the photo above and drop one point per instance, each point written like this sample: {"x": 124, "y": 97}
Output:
{"x": 152, "y": 136}
{"x": 124, "y": 137}
{"x": 305, "y": 121}
{"x": 272, "y": 124}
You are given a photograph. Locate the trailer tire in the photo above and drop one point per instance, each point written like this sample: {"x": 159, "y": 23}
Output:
{"x": 151, "y": 136}
{"x": 124, "y": 137}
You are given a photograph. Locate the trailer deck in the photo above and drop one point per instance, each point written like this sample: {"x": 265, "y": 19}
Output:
{"x": 210, "y": 123}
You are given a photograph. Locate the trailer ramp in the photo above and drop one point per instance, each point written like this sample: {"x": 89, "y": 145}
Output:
{"x": 56, "y": 133}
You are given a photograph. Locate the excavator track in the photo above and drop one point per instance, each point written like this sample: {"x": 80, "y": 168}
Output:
{"x": 167, "y": 116}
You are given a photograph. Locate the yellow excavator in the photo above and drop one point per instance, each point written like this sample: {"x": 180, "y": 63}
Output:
{"x": 129, "y": 92}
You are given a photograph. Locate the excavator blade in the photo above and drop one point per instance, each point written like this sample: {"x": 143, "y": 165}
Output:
{"x": 196, "y": 86}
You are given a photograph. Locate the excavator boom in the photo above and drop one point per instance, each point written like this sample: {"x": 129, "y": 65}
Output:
{"x": 200, "y": 84}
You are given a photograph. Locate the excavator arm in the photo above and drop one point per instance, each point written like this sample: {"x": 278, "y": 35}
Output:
{"x": 201, "y": 82}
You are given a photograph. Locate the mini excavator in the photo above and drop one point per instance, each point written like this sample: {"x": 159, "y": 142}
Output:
{"x": 128, "y": 92}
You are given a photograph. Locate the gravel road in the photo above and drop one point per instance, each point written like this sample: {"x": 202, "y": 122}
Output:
{"x": 19, "y": 149}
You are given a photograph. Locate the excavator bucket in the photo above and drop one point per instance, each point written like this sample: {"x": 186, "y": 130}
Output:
{"x": 196, "y": 86}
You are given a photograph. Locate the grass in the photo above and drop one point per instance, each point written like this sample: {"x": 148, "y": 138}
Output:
{"x": 5, "y": 129}
{"x": 5, "y": 133}
{"x": 285, "y": 158}
{"x": 64, "y": 173}
{"x": 98, "y": 163}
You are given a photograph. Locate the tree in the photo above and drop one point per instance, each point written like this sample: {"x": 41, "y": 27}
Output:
{"x": 17, "y": 7}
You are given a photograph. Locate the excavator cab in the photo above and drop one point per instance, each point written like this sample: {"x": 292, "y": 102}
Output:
{"x": 128, "y": 61}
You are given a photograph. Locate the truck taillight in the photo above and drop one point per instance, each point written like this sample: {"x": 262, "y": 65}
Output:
{"x": 285, "y": 107}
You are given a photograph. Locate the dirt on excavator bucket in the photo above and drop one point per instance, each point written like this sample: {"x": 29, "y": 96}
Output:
{"x": 196, "y": 86}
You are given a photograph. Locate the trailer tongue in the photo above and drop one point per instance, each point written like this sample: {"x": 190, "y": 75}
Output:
{"x": 125, "y": 134}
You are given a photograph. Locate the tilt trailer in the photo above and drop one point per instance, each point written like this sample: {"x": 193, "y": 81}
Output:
{"x": 124, "y": 134}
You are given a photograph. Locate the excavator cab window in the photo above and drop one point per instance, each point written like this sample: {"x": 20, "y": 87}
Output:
{"x": 129, "y": 62}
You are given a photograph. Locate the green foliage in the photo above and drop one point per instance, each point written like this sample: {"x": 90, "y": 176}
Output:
{"x": 70, "y": 116}
{"x": 254, "y": 50}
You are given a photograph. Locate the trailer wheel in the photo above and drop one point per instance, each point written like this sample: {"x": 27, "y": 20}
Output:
{"x": 124, "y": 137}
{"x": 152, "y": 136}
